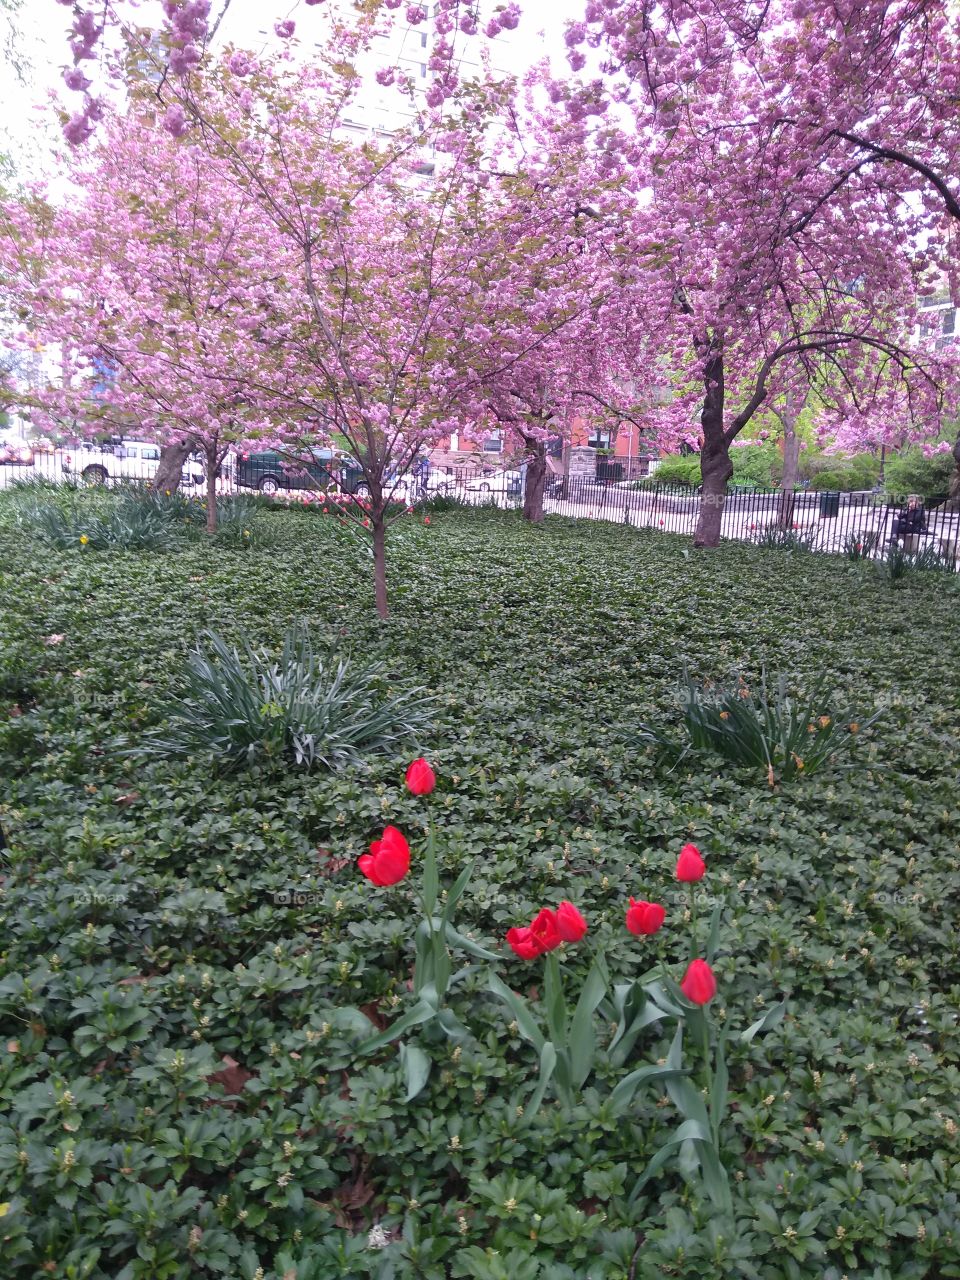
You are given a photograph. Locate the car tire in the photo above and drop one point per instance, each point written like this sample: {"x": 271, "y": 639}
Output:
{"x": 95, "y": 475}
{"x": 269, "y": 485}
{"x": 362, "y": 489}
{"x": 484, "y": 488}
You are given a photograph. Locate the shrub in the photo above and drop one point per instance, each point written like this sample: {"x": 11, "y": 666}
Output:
{"x": 678, "y": 470}
{"x": 783, "y": 734}
{"x": 842, "y": 474}
{"x": 758, "y": 465}
{"x": 911, "y": 472}
{"x": 318, "y": 709}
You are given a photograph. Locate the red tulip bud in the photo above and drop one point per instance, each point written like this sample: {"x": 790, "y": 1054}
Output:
{"x": 690, "y": 865}
{"x": 420, "y": 778}
{"x": 699, "y": 984}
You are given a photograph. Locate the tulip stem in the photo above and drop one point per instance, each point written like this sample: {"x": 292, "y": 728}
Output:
{"x": 662, "y": 962}
{"x": 708, "y": 1071}
{"x": 694, "y": 950}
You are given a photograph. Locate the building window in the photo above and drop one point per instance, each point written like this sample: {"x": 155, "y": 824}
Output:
{"x": 423, "y": 71}
{"x": 599, "y": 439}
{"x": 940, "y": 324}
{"x": 493, "y": 444}
{"x": 423, "y": 39}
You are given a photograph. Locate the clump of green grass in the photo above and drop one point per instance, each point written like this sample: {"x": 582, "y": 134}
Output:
{"x": 779, "y": 539}
{"x": 783, "y": 734}
{"x": 126, "y": 527}
{"x": 243, "y": 706}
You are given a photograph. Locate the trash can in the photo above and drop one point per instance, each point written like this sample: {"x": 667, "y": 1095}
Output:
{"x": 829, "y": 506}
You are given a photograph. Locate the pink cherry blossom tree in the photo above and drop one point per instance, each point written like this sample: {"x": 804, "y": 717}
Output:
{"x": 802, "y": 199}
{"x": 560, "y": 319}
{"x": 176, "y": 46}
{"x": 156, "y": 274}
{"x": 386, "y": 263}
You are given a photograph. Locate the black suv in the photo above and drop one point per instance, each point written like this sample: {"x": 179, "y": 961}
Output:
{"x": 269, "y": 472}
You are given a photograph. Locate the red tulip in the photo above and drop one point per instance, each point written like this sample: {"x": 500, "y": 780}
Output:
{"x": 546, "y": 931}
{"x": 388, "y": 860}
{"x": 690, "y": 866}
{"x": 523, "y": 943}
{"x": 420, "y": 778}
{"x": 570, "y": 922}
{"x": 644, "y": 917}
{"x": 426, "y": 519}
{"x": 699, "y": 984}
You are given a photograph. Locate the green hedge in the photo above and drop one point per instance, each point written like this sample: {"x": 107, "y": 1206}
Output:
{"x": 911, "y": 472}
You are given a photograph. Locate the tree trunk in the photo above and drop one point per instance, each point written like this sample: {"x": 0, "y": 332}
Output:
{"x": 170, "y": 467}
{"x": 380, "y": 561}
{"x": 955, "y": 479}
{"x": 715, "y": 465}
{"x": 715, "y": 470}
{"x": 791, "y": 466}
{"x": 535, "y": 482}
{"x": 212, "y": 468}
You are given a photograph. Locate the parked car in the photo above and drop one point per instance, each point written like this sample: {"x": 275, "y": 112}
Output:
{"x": 15, "y": 450}
{"x": 502, "y": 482}
{"x": 270, "y": 472}
{"x": 126, "y": 460}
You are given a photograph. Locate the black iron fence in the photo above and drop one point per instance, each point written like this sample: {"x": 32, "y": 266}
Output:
{"x": 861, "y": 524}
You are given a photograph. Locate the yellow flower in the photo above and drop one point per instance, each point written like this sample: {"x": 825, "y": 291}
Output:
{"x": 84, "y": 539}
{"x": 824, "y": 721}
{"x": 796, "y": 760}
{"x": 246, "y": 533}
{"x": 724, "y": 715}
{"x": 4, "y": 1208}
{"x": 854, "y": 728}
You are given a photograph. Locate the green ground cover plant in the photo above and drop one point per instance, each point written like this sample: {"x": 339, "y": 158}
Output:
{"x": 194, "y": 967}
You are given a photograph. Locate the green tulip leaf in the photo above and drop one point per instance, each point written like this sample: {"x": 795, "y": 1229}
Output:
{"x": 421, "y": 1012}
{"x": 457, "y": 939}
{"x": 416, "y": 1069}
{"x": 520, "y": 1010}
{"x": 583, "y": 1036}
{"x": 689, "y": 1130}
{"x": 548, "y": 1063}
{"x": 771, "y": 1018}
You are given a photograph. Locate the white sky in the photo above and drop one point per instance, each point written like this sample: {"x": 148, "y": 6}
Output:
{"x": 30, "y": 135}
